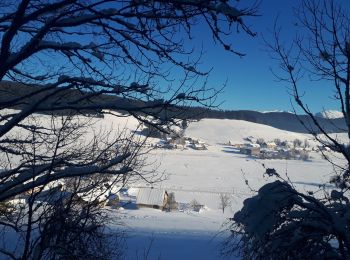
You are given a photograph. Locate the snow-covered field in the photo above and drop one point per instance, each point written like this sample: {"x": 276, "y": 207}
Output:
{"x": 203, "y": 176}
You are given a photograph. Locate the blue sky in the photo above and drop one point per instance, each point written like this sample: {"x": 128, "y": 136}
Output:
{"x": 251, "y": 85}
{"x": 250, "y": 82}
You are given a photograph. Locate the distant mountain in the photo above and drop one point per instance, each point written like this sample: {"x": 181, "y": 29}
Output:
{"x": 330, "y": 114}
{"x": 276, "y": 111}
{"x": 281, "y": 120}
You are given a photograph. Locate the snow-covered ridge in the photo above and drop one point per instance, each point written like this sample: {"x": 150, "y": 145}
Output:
{"x": 275, "y": 111}
{"x": 330, "y": 114}
{"x": 216, "y": 131}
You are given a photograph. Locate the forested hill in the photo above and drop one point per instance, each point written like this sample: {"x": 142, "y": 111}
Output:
{"x": 282, "y": 120}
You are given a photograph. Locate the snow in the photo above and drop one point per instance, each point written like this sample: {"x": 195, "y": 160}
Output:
{"x": 203, "y": 175}
{"x": 276, "y": 111}
{"x": 222, "y": 130}
{"x": 182, "y": 246}
{"x": 330, "y": 114}
{"x": 150, "y": 196}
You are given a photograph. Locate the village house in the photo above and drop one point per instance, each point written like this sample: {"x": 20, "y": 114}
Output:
{"x": 199, "y": 147}
{"x": 270, "y": 150}
{"x": 149, "y": 197}
{"x": 271, "y": 145}
{"x": 200, "y": 142}
{"x": 251, "y": 149}
{"x": 177, "y": 142}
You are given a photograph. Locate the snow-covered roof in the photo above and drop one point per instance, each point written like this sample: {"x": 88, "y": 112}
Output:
{"x": 150, "y": 196}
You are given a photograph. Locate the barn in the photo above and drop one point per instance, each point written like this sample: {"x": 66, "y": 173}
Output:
{"x": 150, "y": 197}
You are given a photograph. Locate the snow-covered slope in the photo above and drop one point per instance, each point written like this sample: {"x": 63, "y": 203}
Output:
{"x": 216, "y": 131}
{"x": 203, "y": 176}
{"x": 330, "y": 114}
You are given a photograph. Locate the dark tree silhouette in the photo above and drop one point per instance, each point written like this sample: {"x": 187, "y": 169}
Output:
{"x": 64, "y": 64}
{"x": 86, "y": 56}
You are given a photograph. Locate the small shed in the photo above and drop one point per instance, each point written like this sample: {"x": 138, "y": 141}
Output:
{"x": 251, "y": 149}
{"x": 150, "y": 197}
{"x": 199, "y": 147}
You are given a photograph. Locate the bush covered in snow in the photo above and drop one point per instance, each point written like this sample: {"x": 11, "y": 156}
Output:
{"x": 282, "y": 223}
